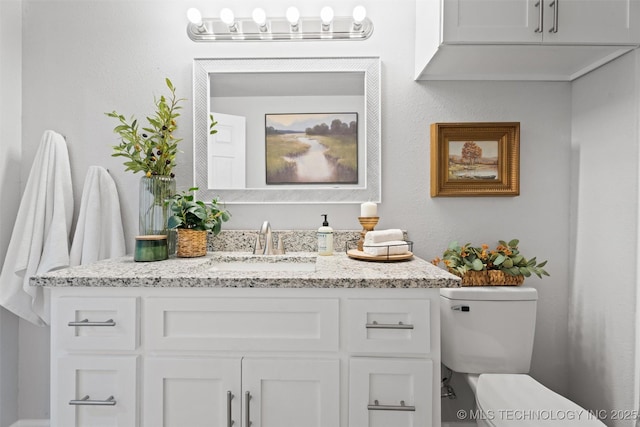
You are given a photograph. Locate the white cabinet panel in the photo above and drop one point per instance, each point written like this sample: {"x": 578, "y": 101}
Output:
{"x": 264, "y": 324}
{"x": 540, "y": 21}
{"x": 390, "y": 392}
{"x": 96, "y": 323}
{"x": 291, "y": 393}
{"x": 389, "y": 326}
{"x": 497, "y": 21}
{"x": 94, "y": 391}
{"x": 194, "y": 392}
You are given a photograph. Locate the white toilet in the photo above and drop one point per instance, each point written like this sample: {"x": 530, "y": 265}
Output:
{"x": 487, "y": 335}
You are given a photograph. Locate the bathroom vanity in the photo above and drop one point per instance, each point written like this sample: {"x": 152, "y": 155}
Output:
{"x": 238, "y": 339}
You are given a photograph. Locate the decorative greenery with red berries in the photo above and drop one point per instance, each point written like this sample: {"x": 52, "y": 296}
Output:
{"x": 152, "y": 149}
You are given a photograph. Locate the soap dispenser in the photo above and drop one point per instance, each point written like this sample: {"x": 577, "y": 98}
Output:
{"x": 325, "y": 238}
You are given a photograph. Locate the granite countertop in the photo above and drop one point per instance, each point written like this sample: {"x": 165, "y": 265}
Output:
{"x": 336, "y": 271}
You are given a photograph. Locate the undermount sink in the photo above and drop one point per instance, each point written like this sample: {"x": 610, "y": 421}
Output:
{"x": 256, "y": 263}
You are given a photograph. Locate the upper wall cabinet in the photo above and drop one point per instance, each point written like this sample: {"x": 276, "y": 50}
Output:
{"x": 521, "y": 39}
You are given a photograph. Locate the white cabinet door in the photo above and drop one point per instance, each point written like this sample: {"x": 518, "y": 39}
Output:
{"x": 534, "y": 21}
{"x": 194, "y": 392}
{"x": 390, "y": 392}
{"x": 95, "y": 391}
{"x": 291, "y": 392}
{"x": 491, "y": 21}
{"x": 592, "y": 21}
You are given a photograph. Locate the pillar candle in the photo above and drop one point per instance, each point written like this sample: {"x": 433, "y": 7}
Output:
{"x": 368, "y": 209}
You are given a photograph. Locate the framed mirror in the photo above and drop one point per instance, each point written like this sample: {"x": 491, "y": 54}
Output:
{"x": 290, "y": 130}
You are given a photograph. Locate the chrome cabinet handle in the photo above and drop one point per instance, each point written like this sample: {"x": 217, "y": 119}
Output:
{"x": 399, "y": 325}
{"x": 554, "y": 5}
{"x": 540, "y": 4}
{"x": 401, "y": 407}
{"x": 86, "y": 401}
{"x": 86, "y": 322}
{"x": 229, "y": 399}
{"x": 247, "y": 407}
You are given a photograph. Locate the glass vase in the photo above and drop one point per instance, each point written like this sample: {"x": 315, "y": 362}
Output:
{"x": 154, "y": 212}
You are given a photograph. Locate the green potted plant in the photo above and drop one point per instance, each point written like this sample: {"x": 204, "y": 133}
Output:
{"x": 478, "y": 266}
{"x": 193, "y": 220}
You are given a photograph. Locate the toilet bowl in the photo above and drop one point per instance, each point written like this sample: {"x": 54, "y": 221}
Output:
{"x": 487, "y": 335}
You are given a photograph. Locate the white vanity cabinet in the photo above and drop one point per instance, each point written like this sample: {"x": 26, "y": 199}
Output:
{"x": 190, "y": 357}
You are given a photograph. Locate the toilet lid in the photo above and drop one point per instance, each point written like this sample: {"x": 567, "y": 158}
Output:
{"x": 519, "y": 400}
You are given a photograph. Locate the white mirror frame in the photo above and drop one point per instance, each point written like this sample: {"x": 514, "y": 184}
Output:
{"x": 370, "y": 190}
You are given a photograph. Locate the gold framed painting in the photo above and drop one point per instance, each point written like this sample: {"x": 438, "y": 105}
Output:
{"x": 475, "y": 159}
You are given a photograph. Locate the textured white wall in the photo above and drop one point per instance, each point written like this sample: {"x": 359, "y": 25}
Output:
{"x": 87, "y": 57}
{"x": 10, "y": 154}
{"x": 604, "y": 237}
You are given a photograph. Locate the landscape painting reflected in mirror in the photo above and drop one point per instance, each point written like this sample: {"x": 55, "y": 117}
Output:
{"x": 477, "y": 160}
{"x": 311, "y": 148}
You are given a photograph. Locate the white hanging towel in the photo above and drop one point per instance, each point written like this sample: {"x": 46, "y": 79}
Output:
{"x": 99, "y": 233}
{"x": 40, "y": 238}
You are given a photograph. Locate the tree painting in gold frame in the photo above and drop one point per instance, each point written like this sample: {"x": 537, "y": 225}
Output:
{"x": 475, "y": 159}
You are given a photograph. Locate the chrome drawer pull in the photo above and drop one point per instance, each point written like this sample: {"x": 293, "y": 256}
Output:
{"x": 229, "y": 399}
{"x": 85, "y": 401}
{"x": 399, "y": 325}
{"x": 554, "y": 5}
{"x": 402, "y": 407}
{"x": 247, "y": 408}
{"x": 86, "y": 322}
{"x": 540, "y": 4}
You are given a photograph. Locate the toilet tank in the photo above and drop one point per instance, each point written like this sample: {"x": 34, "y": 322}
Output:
{"x": 488, "y": 329}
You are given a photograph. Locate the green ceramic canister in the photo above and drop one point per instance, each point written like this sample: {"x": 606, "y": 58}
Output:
{"x": 152, "y": 247}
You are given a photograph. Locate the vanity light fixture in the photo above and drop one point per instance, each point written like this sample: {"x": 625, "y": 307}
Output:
{"x": 359, "y": 15}
{"x": 226, "y": 16}
{"x": 290, "y": 27}
{"x": 260, "y": 18}
{"x": 326, "y": 15}
{"x": 195, "y": 17}
{"x": 293, "y": 16}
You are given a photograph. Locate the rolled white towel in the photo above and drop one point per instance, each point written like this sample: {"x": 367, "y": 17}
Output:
{"x": 393, "y": 247}
{"x": 379, "y": 236}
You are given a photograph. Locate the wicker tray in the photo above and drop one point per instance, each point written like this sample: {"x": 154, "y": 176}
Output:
{"x": 363, "y": 256}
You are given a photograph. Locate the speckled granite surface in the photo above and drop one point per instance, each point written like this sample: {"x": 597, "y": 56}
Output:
{"x": 294, "y": 240}
{"x": 336, "y": 271}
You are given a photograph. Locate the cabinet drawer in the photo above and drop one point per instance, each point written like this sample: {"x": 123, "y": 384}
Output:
{"x": 265, "y": 324}
{"x": 96, "y": 323}
{"x": 95, "y": 391}
{"x": 389, "y": 326}
{"x": 390, "y": 392}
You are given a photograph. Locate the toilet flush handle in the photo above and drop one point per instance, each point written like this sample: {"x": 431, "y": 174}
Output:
{"x": 460, "y": 308}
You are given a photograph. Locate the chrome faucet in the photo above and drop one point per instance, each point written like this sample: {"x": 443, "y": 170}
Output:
{"x": 268, "y": 248}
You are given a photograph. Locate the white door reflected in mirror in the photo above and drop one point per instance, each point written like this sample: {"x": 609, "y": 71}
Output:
{"x": 226, "y": 152}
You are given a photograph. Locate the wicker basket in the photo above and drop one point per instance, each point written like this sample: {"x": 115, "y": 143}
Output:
{"x": 490, "y": 278}
{"x": 191, "y": 243}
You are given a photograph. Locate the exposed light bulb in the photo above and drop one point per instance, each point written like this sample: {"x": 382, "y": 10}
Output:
{"x": 226, "y": 16}
{"x": 293, "y": 15}
{"x": 259, "y": 16}
{"x": 359, "y": 14}
{"x": 326, "y": 14}
{"x": 194, "y": 16}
